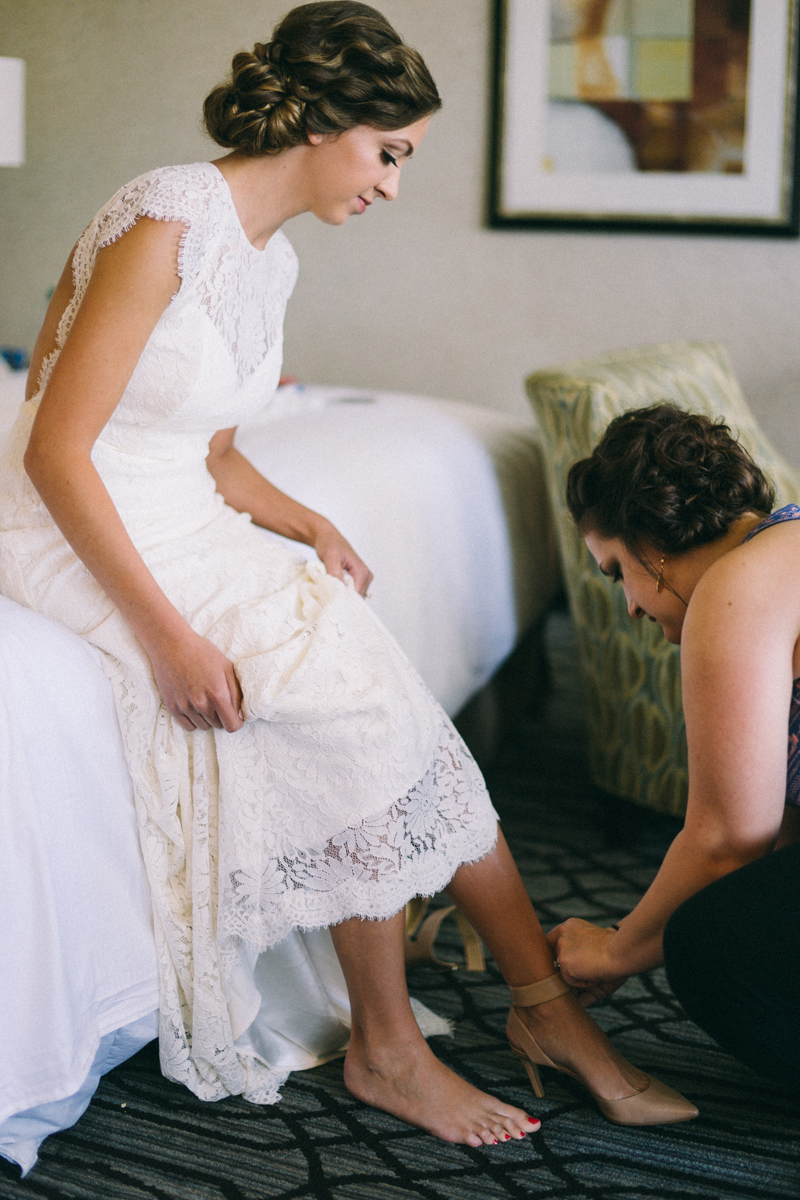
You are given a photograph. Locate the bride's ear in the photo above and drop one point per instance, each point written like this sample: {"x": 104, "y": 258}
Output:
{"x": 317, "y": 139}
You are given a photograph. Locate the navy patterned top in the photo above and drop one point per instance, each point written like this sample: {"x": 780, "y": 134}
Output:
{"x": 791, "y": 512}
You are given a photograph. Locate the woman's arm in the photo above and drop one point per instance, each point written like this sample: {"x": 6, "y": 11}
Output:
{"x": 46, "y": 341}
{"x": 244, "y": 489}
{"x": 132, "y": 283}
{"x": 737, "y": 647}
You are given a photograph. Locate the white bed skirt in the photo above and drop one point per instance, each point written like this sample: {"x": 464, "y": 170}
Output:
{"x": 22, "y": 1134}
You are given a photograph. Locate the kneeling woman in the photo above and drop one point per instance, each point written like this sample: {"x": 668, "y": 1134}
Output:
{"x": 674, "y": 508}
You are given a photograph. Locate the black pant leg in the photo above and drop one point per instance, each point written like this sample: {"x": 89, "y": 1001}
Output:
{"x": 732, "y": 955}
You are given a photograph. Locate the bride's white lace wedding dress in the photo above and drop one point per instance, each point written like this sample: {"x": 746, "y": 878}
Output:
{"x": 347, "y": 791}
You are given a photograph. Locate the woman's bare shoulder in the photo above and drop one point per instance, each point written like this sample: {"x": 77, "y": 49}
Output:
{"x": 769, "y": 560}
{"x": 750, "y": 596}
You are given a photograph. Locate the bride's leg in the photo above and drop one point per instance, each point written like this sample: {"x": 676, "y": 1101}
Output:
{"x": 389, "y": 1064}
{"x": 492, "y": 897}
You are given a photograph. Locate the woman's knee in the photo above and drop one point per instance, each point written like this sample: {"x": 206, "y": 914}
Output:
{"x": 703, "y": 946}
{"x": 684, "y": 944}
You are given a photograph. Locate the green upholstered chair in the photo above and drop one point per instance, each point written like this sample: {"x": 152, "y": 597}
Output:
{"x": 637, "y": 741}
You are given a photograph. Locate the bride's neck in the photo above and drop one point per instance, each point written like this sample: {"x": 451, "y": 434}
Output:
{"x": 266, "y": 190}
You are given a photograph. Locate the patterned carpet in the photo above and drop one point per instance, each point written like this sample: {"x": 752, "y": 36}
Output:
{"x": 580, "y": 854}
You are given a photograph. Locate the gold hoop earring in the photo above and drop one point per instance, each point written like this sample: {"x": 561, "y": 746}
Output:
{"x": 659, "y": 581}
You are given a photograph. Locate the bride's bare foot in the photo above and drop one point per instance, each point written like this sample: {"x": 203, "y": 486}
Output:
{"x": 569, "y": 1036}
{"x": 407, "y": 1079}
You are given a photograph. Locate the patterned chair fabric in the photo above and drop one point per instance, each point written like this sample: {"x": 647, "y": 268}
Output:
{"x": 637, "y": 740}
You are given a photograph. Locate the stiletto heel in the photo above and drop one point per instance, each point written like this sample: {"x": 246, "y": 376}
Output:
{"x": 532, "y": 1072}
{"x": 655, "y": 1104}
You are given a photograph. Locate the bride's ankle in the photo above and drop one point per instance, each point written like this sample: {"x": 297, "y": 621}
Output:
{"x": 549, "y": 1011}
{"x": 386, "y": 1051}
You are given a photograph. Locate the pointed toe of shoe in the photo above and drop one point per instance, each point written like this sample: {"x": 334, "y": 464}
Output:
{"x": 656, "y": 1105}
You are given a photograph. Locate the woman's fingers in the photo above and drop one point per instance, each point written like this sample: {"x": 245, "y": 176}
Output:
{"x": 183, "y": 721}
{"x": 583, "y": 954}
{"x": 593, "y": 992}
{"x": 223, "y": 717}
{"x": 338, "y": 557}
{"x": 363, "y": 586}
{"x": 221, "y": 708}
{"x": 192, "y": 719}
{"x": 362, "y": 578}
{"x": 572, "y": 980}
{"x": 195, "y": 716}
{"x": 230, "y": 713}
{"x": 358, "y": 571}
{"x": 235, "y": 691}
{"x": 334, "y": 566}
{"x": 199, "y": 686}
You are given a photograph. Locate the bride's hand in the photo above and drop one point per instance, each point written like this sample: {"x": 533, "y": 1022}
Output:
{"x": 198, "y": 684}
{"x": 338, "y": 556}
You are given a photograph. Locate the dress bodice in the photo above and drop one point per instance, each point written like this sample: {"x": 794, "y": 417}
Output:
{"x": 212, "y": 360}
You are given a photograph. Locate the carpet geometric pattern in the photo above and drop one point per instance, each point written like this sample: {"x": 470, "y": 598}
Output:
{"x": 581, "y": 854}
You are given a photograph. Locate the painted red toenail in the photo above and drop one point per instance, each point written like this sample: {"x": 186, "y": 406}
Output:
{"x": 534, "y": 1121}
{"x": 522, "y": 1135}
{"x": 508, "y": 1137}
{"x": 495, "y": 1142}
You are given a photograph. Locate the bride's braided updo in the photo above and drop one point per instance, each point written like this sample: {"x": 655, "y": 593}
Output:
{"x": 330, "y": 66}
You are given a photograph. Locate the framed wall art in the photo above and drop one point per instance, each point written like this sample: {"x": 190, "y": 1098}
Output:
{"x": 667, "y": 115}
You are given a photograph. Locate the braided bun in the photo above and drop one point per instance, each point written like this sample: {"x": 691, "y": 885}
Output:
{"x": 666, "y": 478}
{"x": 330, "y": 66}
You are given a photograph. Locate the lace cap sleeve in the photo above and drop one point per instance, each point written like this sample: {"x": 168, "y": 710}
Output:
{"x": 167, "y": 194}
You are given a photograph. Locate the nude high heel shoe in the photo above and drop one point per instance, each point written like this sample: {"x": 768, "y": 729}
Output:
{"x": 656, "y": 1104}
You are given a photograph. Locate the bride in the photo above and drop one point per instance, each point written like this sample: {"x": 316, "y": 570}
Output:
{"x": 295, "y": 784}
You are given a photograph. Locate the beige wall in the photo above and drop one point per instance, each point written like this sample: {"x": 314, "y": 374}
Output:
{"x": 417, "y": 295}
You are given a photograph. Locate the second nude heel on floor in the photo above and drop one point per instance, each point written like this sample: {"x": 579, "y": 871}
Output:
{"x": 655, "y": 1104}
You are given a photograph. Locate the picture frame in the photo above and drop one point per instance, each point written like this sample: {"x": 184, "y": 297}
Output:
{"x": 669, "y": 116}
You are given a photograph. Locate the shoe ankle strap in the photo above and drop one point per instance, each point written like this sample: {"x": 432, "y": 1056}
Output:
{"x": 538, "y": 993}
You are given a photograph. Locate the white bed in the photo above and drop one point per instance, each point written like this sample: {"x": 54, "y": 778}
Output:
{"x": 445, "y": 502}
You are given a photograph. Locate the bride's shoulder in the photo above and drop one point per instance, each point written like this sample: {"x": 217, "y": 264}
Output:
{"x": 183, "y": 193}
{"x": 188, "y": 194}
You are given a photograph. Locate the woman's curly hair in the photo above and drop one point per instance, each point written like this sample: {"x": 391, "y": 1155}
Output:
{"x": 666, "y": 478}
{"x": 330, "y": 66}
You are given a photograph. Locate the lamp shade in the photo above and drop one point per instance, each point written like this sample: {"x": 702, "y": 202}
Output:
{"x": 12, "y": 112}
